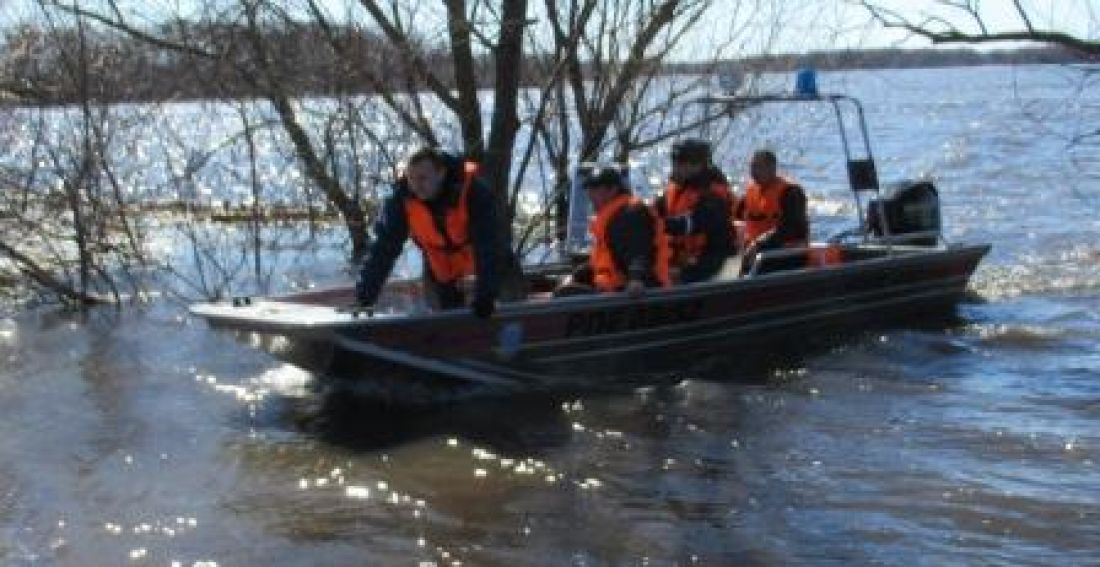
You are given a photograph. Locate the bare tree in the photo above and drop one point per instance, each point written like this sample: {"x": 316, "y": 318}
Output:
{"x": 963, "y": 21}
{"x": 584, "y": 70}
{"x": 66, "y": 223}
{"x": 243, "y": 47}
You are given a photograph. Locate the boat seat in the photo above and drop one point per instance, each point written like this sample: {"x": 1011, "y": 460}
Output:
{"x": 731, "y": 269}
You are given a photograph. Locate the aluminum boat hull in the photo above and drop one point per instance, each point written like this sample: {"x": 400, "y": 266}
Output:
{"x": 545, "y": 342}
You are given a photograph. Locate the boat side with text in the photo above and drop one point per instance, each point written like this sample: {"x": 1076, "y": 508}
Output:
{"x": 543, "y": 339}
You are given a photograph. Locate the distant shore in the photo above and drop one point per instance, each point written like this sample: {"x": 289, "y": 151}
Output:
{"x": 890, "y": 59}
{"x": 128, "y": 71}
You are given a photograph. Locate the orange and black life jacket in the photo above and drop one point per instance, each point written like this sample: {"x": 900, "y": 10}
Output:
{"x": 446, "y": 242}
{"x": 606, "y": 275}
{"x": 762, "y": 208}
{"x": 680, "y": 200}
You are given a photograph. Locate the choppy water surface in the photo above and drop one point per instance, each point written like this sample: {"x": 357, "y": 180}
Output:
{"x": 145, "y": 438}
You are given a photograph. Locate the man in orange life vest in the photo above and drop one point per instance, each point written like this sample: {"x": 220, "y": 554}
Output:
{"x": 696, "y": 207}
{"x": 773, "y": 209}
{"x": 449, "y": 213}
{"x": 629, "y": 247}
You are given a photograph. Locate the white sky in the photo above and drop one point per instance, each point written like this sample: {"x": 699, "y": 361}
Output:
{"x": 808, "y": 25}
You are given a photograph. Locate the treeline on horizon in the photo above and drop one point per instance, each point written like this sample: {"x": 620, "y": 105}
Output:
{"x": 36, "y": 66}
{"x": 899, "y": 59}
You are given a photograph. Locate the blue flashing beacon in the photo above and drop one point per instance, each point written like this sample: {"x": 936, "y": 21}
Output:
{"x": 805, "y": 83}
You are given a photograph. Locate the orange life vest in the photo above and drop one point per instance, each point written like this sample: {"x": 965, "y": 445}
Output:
{"x": 680, "y": 200}
{"x": 762, "y": 207}
{"x": 831, "y": 255}
{"x": 607, "y": 276}
{"x": 447, "y": 245}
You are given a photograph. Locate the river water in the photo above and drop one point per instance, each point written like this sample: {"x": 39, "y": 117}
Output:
{"x": 142, "y": 437}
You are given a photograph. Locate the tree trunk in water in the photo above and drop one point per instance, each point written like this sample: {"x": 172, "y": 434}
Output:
{"x": 303, "y": 147}
{"x": 502, "y": 139}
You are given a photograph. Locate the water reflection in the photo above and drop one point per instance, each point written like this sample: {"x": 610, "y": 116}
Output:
{"x": 858, "y": 450}
{"x": 339, "y": 417}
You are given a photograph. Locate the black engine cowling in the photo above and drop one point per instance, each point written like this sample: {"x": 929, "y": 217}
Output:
{"x": 905, "y": 208}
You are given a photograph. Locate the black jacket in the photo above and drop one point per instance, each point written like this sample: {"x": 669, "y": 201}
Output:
{"x": 630, "y": 236}
{"x": 710, "y": 217}
{"x": 392, "y": 229}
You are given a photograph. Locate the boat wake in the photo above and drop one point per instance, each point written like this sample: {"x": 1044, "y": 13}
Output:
{"x": 1073, "y": 270}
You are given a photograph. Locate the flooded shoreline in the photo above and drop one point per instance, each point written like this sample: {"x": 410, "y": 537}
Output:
{"x": 139, "y": 436}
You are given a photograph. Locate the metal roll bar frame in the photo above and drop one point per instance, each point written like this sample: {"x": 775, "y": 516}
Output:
{"x": 862, "y": 174}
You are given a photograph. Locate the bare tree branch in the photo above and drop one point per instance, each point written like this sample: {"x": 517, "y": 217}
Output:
{"x": 418, "y": 121}
{"x": 412, "y": 53}
{"x": 119, "y": 23}
{"x": 1023, "y": 15}
{"x": 47, "y": 280}
{"x": 462, "y": 56}
{"x": 949, "y": 33}
{"x": 314, "y": 166}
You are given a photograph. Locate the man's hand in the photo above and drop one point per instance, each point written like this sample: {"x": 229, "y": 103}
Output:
{"x": 635, "y": 288}
{"x": 483, "y": 307}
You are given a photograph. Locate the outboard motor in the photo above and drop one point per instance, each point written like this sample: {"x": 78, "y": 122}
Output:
{"x": 904, "y": 209}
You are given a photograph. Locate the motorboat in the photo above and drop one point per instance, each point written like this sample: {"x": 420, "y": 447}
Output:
{"x": 894, "y": 266}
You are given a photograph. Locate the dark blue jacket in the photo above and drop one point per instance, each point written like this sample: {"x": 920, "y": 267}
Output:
{"x": 392, "y": 229}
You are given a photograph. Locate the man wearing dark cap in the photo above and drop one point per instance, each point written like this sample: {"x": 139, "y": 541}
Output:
{"x": 447, "y": 210}
{"x": 629, "y": 248}
{"x": 697, "y": 206}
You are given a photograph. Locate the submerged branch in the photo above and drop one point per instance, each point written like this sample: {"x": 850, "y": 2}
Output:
{"x": 44, "y": 278}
